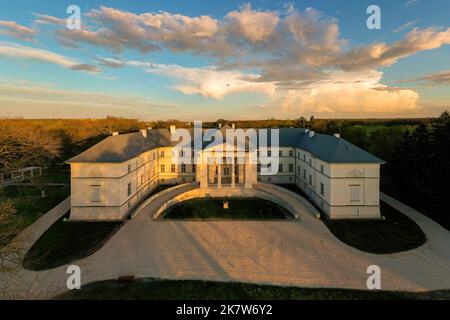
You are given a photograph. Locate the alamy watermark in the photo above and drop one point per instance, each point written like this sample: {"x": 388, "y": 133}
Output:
{"x": 374, "y": 280}
{"x": 73, "y": 22}
{"x": 74, "y": 279}
{"x": 373, "y": 22}
{"x": 240, "y": 146}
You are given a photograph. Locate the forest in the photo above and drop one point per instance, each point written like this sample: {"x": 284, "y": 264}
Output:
{"x": 416, "y": 151}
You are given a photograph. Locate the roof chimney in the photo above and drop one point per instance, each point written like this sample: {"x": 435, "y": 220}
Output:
{"x": 115, "y": 133}
{"x": 337, "y": 135}
{"x": 144, "y": 132}
{"x": 172, "y": 129}
{"x": 220, "y": 125}
{"x": 311, "y": 133}
{"x": 233, "y": 126}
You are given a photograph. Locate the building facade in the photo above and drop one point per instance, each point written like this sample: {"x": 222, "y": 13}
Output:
{"x": 110, "y": 179}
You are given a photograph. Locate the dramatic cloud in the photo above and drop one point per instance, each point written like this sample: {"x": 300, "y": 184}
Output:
{"x": 252, "y": 25}
{"x": 382, "y": 55}
{"x": 13, "y": 29}
{"x": 208, "y": 82}
{"x": 145, "y": 32}
{"x": 346, "y": 93}
{"x": 15, "y": 51}
{"x": 296, "y": 57}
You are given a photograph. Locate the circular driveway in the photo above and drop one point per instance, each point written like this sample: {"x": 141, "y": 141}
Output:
{"x": 291, "y": 253}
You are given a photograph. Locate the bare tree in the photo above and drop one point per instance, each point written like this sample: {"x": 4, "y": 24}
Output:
{"x": 10, "y": 255}
{"x": 22, "y": 143}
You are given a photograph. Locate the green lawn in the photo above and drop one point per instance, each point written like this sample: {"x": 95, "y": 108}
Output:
{"x": 148, "y": 289}
{"x": 394, "y": 234}
{"x": 27, "y": 199}
{"x": 65, "y": 242}
{"x": 242, "y": 208}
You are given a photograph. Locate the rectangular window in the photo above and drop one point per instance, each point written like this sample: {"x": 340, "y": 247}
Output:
{"x": 298, "y": 169}
{"x": 321, "y": 168}
{"x": 142, "y": 179}
{"x": 163, "y": 168}
{"x": 269, "y": 153}
{"x": 96, "y": 193}
{"x": 291, "y": 153}
{"x": 280, "y": 153}
{"x": 304, "y": 173}
{"x": 162, "y": 154}
{"x": 322, "y": 189}
{"x": 258, "y": 167}
{"x": 291, "y": 167}
{"x": 172, "y": 168}
{"x": 310, "y": 179}
{"x": 298, "y": 155}
{"x": 183, "y": 168}
{"x": 354, "y": 193}
{"x": 280, "y": 167}
{"x": 129, "y": 189}
{"x": 310, "y": 162}
{"x": 129, "y": 168}
{"x": 194, "y": 168}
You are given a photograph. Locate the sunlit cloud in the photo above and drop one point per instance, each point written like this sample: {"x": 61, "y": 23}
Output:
{"x": 15, "y": 51}
{"x": 15, "y": 30}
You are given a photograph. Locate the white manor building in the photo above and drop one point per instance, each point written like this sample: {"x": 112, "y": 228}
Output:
{"x": 109, "y": 180}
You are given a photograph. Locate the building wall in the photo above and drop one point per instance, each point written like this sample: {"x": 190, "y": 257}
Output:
{"x": 101, "y": 190}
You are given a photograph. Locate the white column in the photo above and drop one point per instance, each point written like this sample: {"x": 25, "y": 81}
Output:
{"x": 219, "y": 176}
{"x": 232, "y": 172}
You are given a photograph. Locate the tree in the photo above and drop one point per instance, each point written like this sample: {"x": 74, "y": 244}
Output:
{"x": 301, "y": 122}
{"x": 10, "y": 256}
{"x": 22, "y": 144}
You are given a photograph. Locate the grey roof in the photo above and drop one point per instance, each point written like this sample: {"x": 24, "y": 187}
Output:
{"x": 120, "y": 148}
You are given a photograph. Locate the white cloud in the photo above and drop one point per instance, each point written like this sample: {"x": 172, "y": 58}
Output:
{"x": 348, "y": 92}
{"x": 14, "y": 51}
{"x": 252, "y": 25}
{"x": 208, "y": 81}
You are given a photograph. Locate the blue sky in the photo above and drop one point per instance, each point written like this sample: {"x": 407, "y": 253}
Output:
{"x": 232, "y": 59}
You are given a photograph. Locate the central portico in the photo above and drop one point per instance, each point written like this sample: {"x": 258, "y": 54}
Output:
{"x": 219, "y": 170}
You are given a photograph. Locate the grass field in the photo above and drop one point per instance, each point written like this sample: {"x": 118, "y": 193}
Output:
{"x": 395, "y": 233}
{"x": 27, "y": 199}
{"x": 65, "y": 242}
{"x": 243, "y": 208}
{"x": 149, "y": 289}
